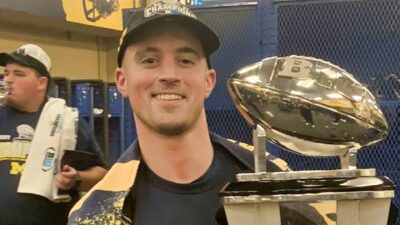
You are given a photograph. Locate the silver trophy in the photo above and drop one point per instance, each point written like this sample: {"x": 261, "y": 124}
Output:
{"x": 314, "y": 108}
{"x": 3, "y": 92}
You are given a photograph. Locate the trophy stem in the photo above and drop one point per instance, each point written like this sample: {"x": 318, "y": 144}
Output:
{"x": 259, "y": 141}
{"x": 349, "y": 160}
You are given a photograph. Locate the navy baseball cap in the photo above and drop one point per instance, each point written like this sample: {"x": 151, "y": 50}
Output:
{"x": 168, "y": 10}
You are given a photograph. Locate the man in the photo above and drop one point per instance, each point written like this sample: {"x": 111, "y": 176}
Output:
{"x": 28, "y": 109}
{"x": 172, "y": 174}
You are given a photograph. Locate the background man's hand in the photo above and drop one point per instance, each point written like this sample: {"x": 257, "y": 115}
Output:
{"x": 67, "y": 178}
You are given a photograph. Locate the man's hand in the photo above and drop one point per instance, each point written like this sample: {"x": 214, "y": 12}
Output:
{"x": 67, "y": 178}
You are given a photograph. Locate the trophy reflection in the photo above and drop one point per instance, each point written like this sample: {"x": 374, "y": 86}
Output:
{"x": 314, "y": 108}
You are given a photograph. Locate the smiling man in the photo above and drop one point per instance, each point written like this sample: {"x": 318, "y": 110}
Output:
{"x": 172, "y": 173}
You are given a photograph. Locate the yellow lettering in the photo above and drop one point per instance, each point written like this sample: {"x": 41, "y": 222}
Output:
{"x": 17, "y": 168}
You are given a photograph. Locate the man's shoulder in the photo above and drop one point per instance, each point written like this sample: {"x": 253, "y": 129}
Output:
{"x": 82, "y": 124}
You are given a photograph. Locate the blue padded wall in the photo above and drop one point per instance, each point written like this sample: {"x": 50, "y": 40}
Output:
{"x": 362, "y": 37}
{"x": 241, "y": 44}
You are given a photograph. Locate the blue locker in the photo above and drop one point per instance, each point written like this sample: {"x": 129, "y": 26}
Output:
{"x": 121, "y": 124}
{"x": 116, "y": 116}
{"x": 90, "y": 97}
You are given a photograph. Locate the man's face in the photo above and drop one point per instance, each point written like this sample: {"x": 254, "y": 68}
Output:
{"x": 24, "y": 84}
{"x": 167, "y": 80}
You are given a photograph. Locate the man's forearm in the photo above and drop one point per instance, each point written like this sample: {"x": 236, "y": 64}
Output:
{"x": 90, "y": 177}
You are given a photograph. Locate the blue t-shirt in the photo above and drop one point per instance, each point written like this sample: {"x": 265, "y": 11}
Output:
{"x": 174, "y": 203}
{"x": 16, "y": 132}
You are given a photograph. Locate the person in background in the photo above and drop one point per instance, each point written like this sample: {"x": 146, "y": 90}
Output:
{"x": 29, "y": 109}
{"x": 173, "y": 172}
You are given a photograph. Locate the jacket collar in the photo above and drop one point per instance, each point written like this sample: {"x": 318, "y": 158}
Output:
{"x": 243, "y": 156}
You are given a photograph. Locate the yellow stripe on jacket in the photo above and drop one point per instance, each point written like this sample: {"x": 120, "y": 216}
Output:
{"x": 119, "y": 178}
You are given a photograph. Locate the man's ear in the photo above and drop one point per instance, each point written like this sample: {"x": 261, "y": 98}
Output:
{"x": 121, "y": 82}
{"x": 211, "y": 81}
{"x": 43, "y": 83}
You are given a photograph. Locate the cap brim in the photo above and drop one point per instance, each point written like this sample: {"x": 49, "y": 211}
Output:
{"x": 4, "y": 58}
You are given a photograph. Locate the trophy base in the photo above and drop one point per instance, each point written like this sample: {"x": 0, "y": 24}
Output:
{"x": 356, "y": 196}
{"x": 346, "y": 212}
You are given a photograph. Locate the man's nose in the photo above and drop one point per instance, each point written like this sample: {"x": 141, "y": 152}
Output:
{"x": 7, "y": 79}
{"x": 170, "y": 72}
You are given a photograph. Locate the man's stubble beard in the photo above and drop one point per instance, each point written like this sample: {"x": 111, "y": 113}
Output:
{"x": 175, "y": 129}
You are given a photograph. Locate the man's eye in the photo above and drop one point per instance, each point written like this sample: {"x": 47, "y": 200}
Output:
{"x": 149, "y": 61}
{"x": 186, "y": 61}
